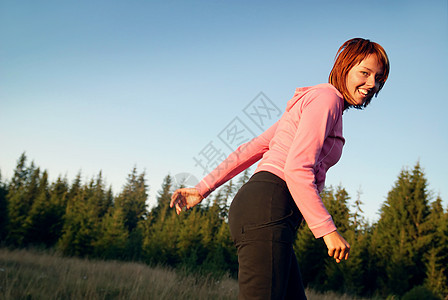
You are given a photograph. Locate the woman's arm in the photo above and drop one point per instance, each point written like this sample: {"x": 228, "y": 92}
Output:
{"x": 239, "y": 160}
{"x": 242, "y": 158}
{"x": 317, "y": 117}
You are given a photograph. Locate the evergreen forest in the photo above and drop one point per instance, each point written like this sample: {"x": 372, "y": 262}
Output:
{"x": 405, "y": 249}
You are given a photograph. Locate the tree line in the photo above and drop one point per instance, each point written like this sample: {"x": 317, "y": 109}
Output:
{"x": 406, "y": 248}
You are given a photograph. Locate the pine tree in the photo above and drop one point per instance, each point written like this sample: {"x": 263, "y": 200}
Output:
{"x": 211, "y": 220}
{"x": 337, "y": 275}
{"x": 402, "y": 236}
{"x": 20, "y": 198}
{"x": 160, "y": 229}
{"x": 321, "y": 272}
{"x": 163, "y": 200}
{"x": 133, "y": 200}
{"x": 311, "y": 255}
{"x": 160, "y": 240}
{"x": 311, "y": 252}
{"x": 98, "y": 199}
{"x": 81, "y": 228}
{"x": 190, "y": 249}
{"x": 46, "y": 217}
{"x": 38, "y": 219}
{"x": 113, "y": 237}
{"x": 336, "y": 203}
{"x": 228, "y": 192}
{"x": 72, "y": 221}
{"x": 437, "y": 256}
{"x": 221, "y": 252}
{"x": 360, "y": 270}
{"x": 224, "y": 242}
{"x": 75, "y": 188}
{"x": 76, "y": 236}
{"x": 357, "y": 218}
{"x": 21, "y": 174}
{"x": 58, "y": 203}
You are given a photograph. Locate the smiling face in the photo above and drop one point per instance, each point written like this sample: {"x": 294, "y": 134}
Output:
{"x": 360, "y": 71}
{"x": 364, "y": 80}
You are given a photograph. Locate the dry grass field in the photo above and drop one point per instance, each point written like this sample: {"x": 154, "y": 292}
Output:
{"x": 32, "y": 275}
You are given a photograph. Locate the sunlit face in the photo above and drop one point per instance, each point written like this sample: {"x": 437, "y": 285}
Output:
{"x": 363, "y": 80}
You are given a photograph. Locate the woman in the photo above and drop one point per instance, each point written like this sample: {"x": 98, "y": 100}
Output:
{"x": 295, "y": 154}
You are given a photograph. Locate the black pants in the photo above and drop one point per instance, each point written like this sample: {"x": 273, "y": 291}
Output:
{"x": 263, "y": 221}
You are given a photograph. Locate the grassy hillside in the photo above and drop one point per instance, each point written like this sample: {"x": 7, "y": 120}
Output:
{"x": 32, "y": 275}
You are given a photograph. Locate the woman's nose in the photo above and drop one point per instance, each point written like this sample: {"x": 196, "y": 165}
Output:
{"x": 371, "y": 81}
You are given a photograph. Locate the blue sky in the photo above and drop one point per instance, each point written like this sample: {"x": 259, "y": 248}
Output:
{"x": 108, "y": 85}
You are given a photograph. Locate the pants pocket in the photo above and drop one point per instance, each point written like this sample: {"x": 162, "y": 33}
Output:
{"x": 279, "y": 230}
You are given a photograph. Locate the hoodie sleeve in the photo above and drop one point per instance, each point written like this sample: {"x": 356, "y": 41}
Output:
{"x": 317, "y": 116}
{"x": 242, "y": 158}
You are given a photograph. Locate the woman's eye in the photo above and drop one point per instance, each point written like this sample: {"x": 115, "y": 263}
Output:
{"x": 364, "y": 73}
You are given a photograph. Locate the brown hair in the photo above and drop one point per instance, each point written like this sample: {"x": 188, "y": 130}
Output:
{"x": 351, "y": 53}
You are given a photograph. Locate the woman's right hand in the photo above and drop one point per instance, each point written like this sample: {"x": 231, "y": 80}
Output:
{"x": 186, "y": 197}
{"x": 338, "y": 248}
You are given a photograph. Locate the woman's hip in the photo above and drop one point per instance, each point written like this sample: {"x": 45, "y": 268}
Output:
{"x": 263, "y": 209}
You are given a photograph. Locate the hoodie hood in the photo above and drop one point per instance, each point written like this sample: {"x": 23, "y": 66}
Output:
{"x": 300, "y": 92}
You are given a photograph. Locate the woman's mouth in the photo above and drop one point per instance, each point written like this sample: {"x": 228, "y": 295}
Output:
{"x": 363, "y": 92}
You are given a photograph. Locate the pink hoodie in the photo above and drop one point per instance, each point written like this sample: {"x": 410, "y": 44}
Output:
{"x": 299, "y": 148}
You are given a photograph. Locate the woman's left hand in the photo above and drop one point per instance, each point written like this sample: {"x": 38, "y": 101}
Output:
{"x": 338, "y": 248}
